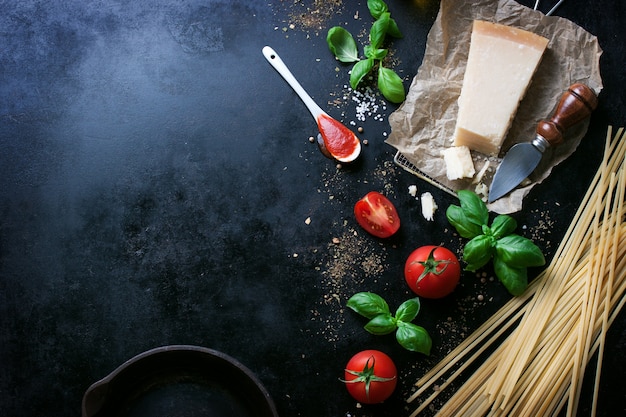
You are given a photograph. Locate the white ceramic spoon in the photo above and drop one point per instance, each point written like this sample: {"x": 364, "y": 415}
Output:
{"x": 338, "y": 142}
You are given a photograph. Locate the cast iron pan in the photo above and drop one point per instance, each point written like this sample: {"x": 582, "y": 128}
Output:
{"x": 181, "y": 381}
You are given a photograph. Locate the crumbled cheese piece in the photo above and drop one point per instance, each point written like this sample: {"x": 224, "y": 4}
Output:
{"x": 413, "y": 190}
{"x": 459, "y": 162}
{"x": 478, "y": 178}
{"x": 482, "y": 190}
{"x": 428, "y": 206}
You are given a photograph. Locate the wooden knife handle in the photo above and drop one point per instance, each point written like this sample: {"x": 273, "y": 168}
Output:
{"x": 575, "y": 105}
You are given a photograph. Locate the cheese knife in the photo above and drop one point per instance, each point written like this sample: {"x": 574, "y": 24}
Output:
{"x": 575, "y": 105}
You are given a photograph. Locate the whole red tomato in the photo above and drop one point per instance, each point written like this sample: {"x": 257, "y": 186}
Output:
{"x": 371, "y": 376}
{"x": 376, "y": 214}
{"x": 432, "y": 271}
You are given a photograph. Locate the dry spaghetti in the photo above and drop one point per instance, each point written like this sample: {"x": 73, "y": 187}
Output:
{"x": 541, "y": 342}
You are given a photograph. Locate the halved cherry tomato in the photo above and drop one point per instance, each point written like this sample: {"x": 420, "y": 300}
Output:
{"x": 370, "y": 376}
{"x": 432, "y": 271}
{"x": 376, "y": 214}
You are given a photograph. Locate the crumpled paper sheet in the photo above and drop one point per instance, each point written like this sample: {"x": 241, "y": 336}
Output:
{"x": 424, "y": 124}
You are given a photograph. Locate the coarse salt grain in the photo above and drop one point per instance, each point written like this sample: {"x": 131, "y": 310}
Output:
{"x": 368, "y": 104}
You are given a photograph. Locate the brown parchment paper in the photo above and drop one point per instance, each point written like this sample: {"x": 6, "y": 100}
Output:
{"x": 424, "y": 124}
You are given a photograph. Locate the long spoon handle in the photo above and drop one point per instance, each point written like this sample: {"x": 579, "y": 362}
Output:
{"x": 278, "y": 64}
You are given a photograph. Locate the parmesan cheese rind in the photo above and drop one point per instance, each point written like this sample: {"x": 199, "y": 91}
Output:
{"x": 500, "y": 65}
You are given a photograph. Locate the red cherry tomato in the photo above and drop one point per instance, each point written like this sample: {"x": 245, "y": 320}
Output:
{"x": 432, "y": 271}
{"x": 376, "y": 214}
{"x": 371, "y": 376}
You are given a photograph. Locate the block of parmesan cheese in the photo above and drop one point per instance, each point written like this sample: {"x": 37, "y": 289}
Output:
{"x": 500, "y": 65}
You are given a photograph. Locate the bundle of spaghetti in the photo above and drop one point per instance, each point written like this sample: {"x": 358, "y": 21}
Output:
{"x": 548, "y": 335}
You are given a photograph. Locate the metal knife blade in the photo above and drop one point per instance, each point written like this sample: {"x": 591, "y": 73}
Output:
{"x": 575, "y": 105}
{"x": 521, "y": 160}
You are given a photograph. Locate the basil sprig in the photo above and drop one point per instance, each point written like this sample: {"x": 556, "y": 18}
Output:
{"x": 512, "y": 254}
{"x": 410, "y": 336}
{"x": 343, "y": 46}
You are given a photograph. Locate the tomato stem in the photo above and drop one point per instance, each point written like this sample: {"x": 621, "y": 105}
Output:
{"x": 367, "y": 376}
{"x": 431, "y": 264}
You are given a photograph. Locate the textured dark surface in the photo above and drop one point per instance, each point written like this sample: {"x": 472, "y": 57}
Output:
{"x": 156, "y": 177}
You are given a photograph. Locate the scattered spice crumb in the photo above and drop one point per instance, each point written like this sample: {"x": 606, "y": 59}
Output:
{"x": 351, "y": 258}
{"x": 541, "y": 231}
{"x": 452, "y": 333}
{"x": 312, "y": 17}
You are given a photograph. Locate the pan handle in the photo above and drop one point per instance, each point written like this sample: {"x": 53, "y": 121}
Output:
{"x": 95, "y": 397}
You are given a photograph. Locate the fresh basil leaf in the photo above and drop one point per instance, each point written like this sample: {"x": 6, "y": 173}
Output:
{"x": 474, "y": 208}
{"x": 414, "y": 338}
{"x": 408, "y": 310}
{"x": 360, "y": 70}
{"x": 390, "y": 85}
{"x": 478, "y": 251}
{"x": 514, "y": 279}
{"x": 379, "y": 30}
{"x": 518, "y": 251}
{"x": 457, "y": 218}
{"x": 393, "y": 29}
{"x": 375, "y": 53}
{"x": 377, "y": 8}
{"x": 381, "y": 324}
{"x": 342, "y": 44}
{"x": 368, "y": 304}
{"x": 503, "y": 225}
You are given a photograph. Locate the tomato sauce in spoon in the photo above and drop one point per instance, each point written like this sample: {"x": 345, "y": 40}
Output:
{"x": 340, "y": 141}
